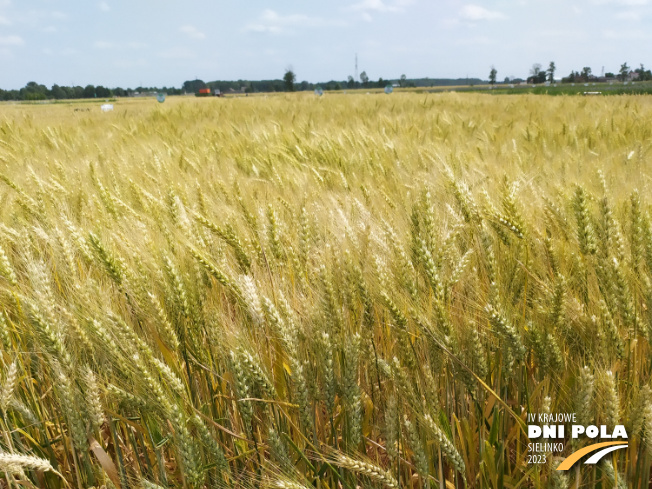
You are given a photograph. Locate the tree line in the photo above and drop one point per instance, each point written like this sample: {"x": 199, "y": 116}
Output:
{"x": 539, "y": 75}
{"x": 36, "y": 91}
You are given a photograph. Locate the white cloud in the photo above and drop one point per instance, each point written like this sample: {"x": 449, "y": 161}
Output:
{"x": 117, "y": 45}
{"x": 630, "y": 15}
{"x": 103, "y": 45}
{"x": 4, "y": 21}
{"x": 476, "y": 12}
{"x": 274, "y": 23}
{"x": 367, "y": 7}
{"x": 563, "y": 35}
{"x": 11, "y": 41}
{"x": 629, "y": 35}
{"x": 103, "y": 6}
{"x": 271, "y": 29}
{"x": 380, "y": 6}
{"x": 125, "y": 63}
{"x": 62, "y": 52}
{"x": 627, "y": 3}
{"x": 374, "y": 6}
{"x": 475, "y": 41}
{"x": 178, "y": 53}
{"x": 192, "y": 32}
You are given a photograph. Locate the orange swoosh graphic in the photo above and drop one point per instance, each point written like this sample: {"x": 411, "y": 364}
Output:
{"x": 575, "y": 456}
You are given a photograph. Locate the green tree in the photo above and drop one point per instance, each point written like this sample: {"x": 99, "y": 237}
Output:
{"x": 364, "y": 78}
{"x": 192, "y": 86}
{"x": 288, "y": 79}
{"x": 537, "y": 75}
{"x": 34, "y": 91}
{"x": 624, "y": 71}
{"x": 551, "y": 71}
{"x": 58, "y": 92}
{"x": 403, "y": 80}
{"x": 492, "y": 75}
{"x": 102, "y": 92}
{"x": 643, "y": 74}
{"x": 89, "y": 91}
{"x": 586, "y": 73}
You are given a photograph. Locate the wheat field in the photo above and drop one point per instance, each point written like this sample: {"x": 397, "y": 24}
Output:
{"x": 352, "y": 291}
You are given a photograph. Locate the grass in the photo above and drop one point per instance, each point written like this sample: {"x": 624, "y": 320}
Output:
{"x": 344, "y": 291}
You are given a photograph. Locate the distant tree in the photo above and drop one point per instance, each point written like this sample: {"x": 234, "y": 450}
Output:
{"x": 288, "y": 80}
{"x": 551, "y": 71}
{"x": 609, "y": 75}
{"x": 403, "y": 80}
{"x": 381, "y": 82}
{"x": 586, "y": 73}
{"x": 507, "y": 80}
{"x": 58, "y": 92}
{"x": 350, "y": 82}
{"x": 89, "y": 91}
{"x": 536, "y": 74}
{"x": 624, "y": 71}
{"x": 189, "y": 86}
{"x": 102, "y": 92}
{"x": 364, "y": 78}
{"x": 643, "y": 74}
{"x": 492, "y": 75}
{"x": 572, "y": 78}
{"x": 34, "y": 91}
{"x": 338, "y": 86}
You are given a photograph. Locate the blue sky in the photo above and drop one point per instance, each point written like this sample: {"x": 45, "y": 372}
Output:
{"x": 120, "y": 43}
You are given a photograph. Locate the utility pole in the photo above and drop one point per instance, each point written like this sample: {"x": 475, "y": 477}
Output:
{"x": 356, "y": 67}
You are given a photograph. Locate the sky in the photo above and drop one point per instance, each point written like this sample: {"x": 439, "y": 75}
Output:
{"x": 145, "y": 43}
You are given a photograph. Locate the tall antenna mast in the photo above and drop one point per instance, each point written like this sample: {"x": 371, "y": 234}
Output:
{"x": 356, "y": 67}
